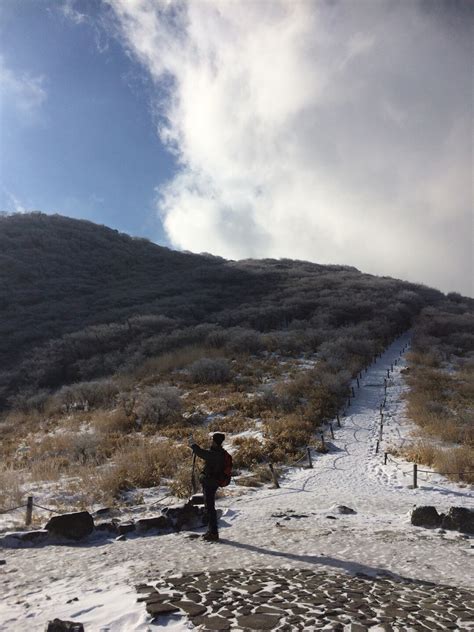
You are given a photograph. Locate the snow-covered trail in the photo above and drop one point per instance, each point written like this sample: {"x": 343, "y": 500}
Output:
{"x": 294, "y": 526}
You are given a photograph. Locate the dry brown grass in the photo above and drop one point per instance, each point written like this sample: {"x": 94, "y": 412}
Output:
{"x": 248, "y": 481}
{"x": 456, "y": 463}
{"x": 114, "y": 421}
{"x": 10, "y": 489}
{"x": 286, "y": 435}
{"x": 181, "y": 484}
{"x": 231, "y": 424}
{"x": 143, "y": 464}
{"x": 249, "y": 452}
{"x": 441, "y": 403}
{"x": 260, "y": 475}
{"x": 153, "y": 369}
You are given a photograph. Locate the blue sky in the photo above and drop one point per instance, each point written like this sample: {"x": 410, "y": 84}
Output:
{"x": 83, "y": 144}
{"x": 336, "y": 132}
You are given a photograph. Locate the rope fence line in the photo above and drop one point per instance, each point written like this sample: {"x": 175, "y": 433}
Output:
{"x": 383, "y": 419}
{"x": 344, "y": 412}
{"x": 46, "y": 509}
{"x": 5, "y": 511}
{"x": 444, "y": 473}
{"x": 30, "y": 504}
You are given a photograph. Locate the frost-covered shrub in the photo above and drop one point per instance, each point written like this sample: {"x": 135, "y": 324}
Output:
{"x": 159, "y": 405}
{"x": 210, "y": 371}
{"x": 242, "y": 340}
{"x": 84, "y": 395}
{"x": 85, "y": 447}
{"x": 29, "y": 402}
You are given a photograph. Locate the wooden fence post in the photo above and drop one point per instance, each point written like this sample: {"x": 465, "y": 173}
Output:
{"x": 377, "y": 447}
{"x": 338, "y": 420}
{"x": 274, "y": 476}
{"x": 332, "y": 431}
{"x": 353, "y": 392}
{"x": 348, "y": 402}
{"x": 415, "y": 475}
{"x": 322, "y": 440}
{"x": 388, "y": 372}
{"x": 310, "y": 460}
{"x": 358, "y": 384}
{"x": 29, "y": 511}
{"x": 385, "y": 458}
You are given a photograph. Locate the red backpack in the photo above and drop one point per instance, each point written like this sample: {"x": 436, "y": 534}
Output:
{"x": 227, "y": 471}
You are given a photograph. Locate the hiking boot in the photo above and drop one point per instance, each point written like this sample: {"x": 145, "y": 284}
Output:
{"x": 211, "y": 537}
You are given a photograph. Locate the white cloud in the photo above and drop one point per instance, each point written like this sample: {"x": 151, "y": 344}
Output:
{"x": 23, "y": 91}
{"x": 337, "y": 132}
{"x": 69, "y": 11}
{"x": 14, "y": 204}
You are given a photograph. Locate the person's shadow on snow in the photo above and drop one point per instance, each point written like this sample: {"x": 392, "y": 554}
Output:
{"x": 351, "y": 567}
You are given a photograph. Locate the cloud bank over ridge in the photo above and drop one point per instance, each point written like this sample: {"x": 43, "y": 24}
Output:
{"x": 338, "y": 132}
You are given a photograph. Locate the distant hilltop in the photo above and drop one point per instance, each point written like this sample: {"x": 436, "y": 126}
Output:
{"x": 79, "y": 300}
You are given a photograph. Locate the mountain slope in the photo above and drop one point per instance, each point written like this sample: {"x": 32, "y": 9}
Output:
{"x": 79, "y": 300}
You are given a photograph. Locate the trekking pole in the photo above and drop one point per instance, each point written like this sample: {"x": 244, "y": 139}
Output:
{"x": 193, "y": 478}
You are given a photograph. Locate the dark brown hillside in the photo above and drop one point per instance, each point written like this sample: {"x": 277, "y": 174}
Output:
{"x": 80, "y": 301}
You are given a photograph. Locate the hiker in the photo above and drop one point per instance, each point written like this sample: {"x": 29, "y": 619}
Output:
{"x": 210, "y": 478}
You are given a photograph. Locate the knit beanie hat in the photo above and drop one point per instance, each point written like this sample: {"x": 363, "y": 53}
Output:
{"x": 218, "y": 438}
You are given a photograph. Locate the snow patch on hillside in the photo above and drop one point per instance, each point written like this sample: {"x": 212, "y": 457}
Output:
{"x": 297, "y": 525}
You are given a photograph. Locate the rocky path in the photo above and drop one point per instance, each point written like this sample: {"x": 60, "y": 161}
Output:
{"x": 301, "y": 599}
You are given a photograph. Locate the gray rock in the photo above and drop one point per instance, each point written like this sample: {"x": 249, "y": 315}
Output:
{"x": 107, "y": 525}
{"x": 425, "y": 516}
{"x": 342, "y": 509}
{"x": 157, "y": 608}
{"x": 107, "y": 511}
{"x": 17, "y": 538}
{"x": 187, "y": 516}
{"x": 259, "y": 621}
{"x": 126, "y": 527}
{"x": 460, "y": 519}
{"x": 191, "y": 608}
{"x": 73, "y": 526}
{"x": 160, "y": 523}
{"x": 212, "y": 623}
{"x": 156, "y": 597}
{"x": 64, "y": 626}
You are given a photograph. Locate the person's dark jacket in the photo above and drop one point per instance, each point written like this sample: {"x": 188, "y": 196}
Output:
{"x": 213, "y": 469}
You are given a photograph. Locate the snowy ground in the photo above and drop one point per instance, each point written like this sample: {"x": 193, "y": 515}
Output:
{"x": 94, "y": 583}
